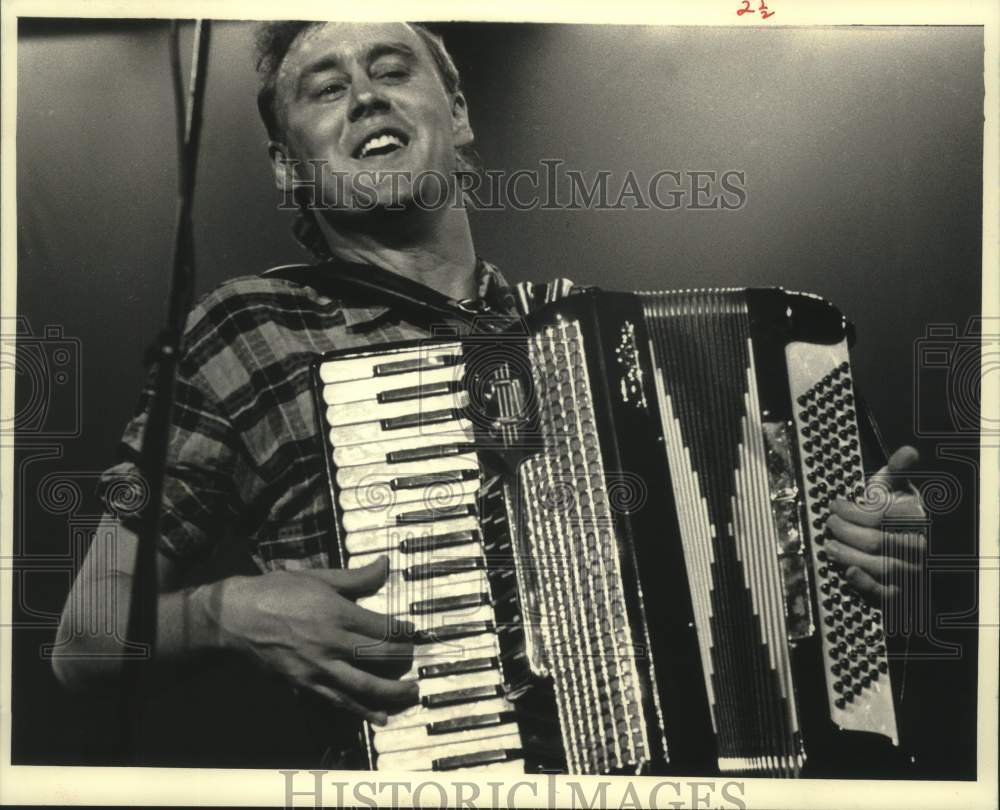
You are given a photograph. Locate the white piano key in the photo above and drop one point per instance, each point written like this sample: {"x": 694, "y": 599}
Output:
{"x": 459, "y": 649}
{"x": 399, "y": 604}
{"x": 379, "y": 494}
{"x": 483, "y": 645}
{"x": 365, "y": 432}
{"x": 363, "y": 368}
{"x": 433, "y": 621}
{"x": 422, "y": 759}
{"x": 364, "y": 519}
{"x": 450, "y": 683}
{"x": 425, "y": 716}
{"x": 442, "y": 653}
{"x": 355, "y": 412}
{"x": 367, "y": 474}
{"x": 414, "y": 739}
{"x": 514, "y": 766}
{"x": 368, "y": 390}
{"x": 396, "y": 595}
{"x": 399, "y": 561}
{"x": 374, "y": 452}
{"x": 441, "y": 624}
{"x": 386, "y": 538}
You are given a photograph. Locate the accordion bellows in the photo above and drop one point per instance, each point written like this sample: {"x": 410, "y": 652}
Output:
{"x": 607, "y": 523}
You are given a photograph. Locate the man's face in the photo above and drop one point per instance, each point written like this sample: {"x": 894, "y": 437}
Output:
{"x": 367, "y": 100}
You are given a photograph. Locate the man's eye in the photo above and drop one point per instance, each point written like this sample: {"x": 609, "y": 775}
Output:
{"x": 393, "y": 73}
{"x": 331, "y": 89}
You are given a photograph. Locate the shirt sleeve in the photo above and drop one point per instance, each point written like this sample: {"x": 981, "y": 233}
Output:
{"x": 199, "y": 494}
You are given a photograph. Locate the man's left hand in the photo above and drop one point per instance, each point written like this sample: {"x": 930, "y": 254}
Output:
{"x": 869, "y": 544}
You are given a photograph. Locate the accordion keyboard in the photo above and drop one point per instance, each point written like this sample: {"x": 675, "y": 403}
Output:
{"x": 408, "y": 485}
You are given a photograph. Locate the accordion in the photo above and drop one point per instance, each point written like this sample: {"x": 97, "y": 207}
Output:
{"x": 607, "y": 524}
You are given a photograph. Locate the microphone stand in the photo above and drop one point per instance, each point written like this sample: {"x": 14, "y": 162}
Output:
{"x": 140, "y": 640}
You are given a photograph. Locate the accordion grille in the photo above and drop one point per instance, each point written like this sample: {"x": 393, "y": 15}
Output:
{"x": 707, "y": 389}
{"x": 570, "y": 541}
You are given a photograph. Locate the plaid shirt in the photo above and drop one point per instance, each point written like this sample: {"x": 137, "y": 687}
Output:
{"x": 244, "y": 454}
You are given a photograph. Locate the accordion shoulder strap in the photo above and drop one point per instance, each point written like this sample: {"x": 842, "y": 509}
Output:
{"x": 373, "y": 286}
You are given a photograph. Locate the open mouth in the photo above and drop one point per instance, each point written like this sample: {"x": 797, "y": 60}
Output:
{"x": 380, "y": 143}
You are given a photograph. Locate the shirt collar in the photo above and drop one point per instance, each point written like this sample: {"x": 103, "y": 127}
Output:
{"x": 491, "y": 288}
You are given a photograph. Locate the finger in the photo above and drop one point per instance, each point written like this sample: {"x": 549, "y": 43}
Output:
{"x": 901, "y": 514}
{"x": 371, "y": 689}
{"x": 341, "y": 701}
{"x": 377, "y": 626}
{"x": 880, "y": 566}
{"x": 386, "y": 658}
{"x": 877, "y": 510}
{"x": 910, "y": 546}
{"x": 355, "y": 581}
{"x": 905, "y": 505}
{"x": 893, "y": 475}
{"x": 864, "y": 583}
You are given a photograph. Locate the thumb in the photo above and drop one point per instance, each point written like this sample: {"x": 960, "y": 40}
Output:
{"x": 892, "y": 476}
{"x": 355, "y": 581}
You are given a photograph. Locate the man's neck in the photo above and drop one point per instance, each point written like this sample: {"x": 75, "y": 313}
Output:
{"x": 432, "y": 248}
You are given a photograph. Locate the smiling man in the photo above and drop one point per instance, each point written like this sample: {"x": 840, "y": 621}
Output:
{"x": 376, "y": 107}
{"x": 377, "y": 110}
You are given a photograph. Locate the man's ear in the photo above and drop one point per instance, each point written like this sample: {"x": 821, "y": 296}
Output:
{"x": 461, "y": 127}
{"x": 282, "y": 166}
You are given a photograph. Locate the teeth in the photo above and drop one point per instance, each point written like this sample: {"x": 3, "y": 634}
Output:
{"x": 379, "y": 142}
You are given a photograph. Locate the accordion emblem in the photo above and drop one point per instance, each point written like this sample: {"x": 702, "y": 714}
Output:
{"x": 607, "y": 523}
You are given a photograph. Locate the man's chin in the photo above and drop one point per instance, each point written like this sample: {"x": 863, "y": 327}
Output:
{"x": 384, "y": 203}
{"x": 376, "y": 207}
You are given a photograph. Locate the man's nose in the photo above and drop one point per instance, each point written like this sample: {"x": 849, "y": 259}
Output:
{"x": 365, "y": 100}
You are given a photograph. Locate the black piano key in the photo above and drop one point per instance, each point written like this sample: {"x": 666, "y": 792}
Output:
{"x": 412, "y": 545}
{"x": 418, "y": 391}
{"x": 477, "y": 759}
{"x": 458, "y": 667}
{"x": 425, "y": 363}
{"x": 420, "y": 417}
{"x": 453, "y": 632}
{"x": 441, "y": 513}
{"x": 430, "y": 452}
{"x": 471, "y": 722}
{"x": 440, "y": 568}
{"x": 432, "y": 479}
{"x": 446, "y": 603}
{"x": 456, "y": 697}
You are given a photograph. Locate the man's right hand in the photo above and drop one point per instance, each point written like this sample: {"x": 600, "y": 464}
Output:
{"x": 305, "y": 626}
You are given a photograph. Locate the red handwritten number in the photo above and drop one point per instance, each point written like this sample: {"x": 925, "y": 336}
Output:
{"x": 745, "y": 10}
{"x": 764, "y": 13}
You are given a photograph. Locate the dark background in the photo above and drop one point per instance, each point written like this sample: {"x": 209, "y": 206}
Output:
{"x": 862, "y": 149}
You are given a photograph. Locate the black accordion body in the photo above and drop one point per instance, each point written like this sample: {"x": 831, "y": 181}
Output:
{"x": 607, "y": 523}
